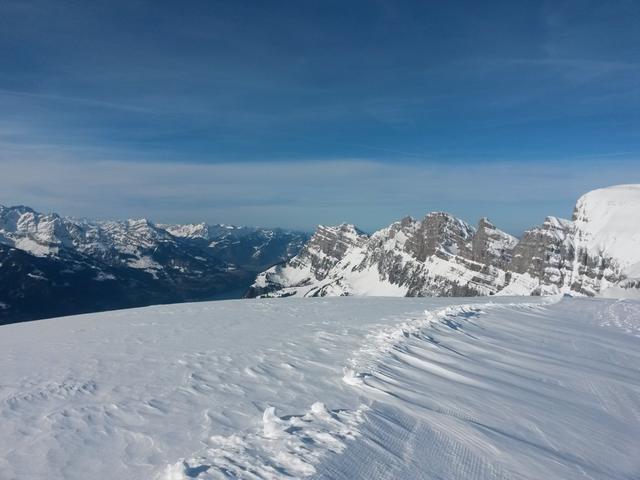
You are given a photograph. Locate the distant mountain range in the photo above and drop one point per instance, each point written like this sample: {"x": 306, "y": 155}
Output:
{"x": 595, "y": 253}
{"x": 52, "y": 265}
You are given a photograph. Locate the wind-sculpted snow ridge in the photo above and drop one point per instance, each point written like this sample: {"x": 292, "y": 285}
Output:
{"x": 290, "y": 446}
{"x": 384, "y": 341}
{"x": 333, "y": 388}
{"x": 500, "y": 392}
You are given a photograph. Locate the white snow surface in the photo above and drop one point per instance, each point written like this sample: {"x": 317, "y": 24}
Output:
{"x": 326, "y": 388}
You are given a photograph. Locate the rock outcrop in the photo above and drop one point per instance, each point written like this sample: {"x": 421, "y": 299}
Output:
{"x": 596, "y": 252}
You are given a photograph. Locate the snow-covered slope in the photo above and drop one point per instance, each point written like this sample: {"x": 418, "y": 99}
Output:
{"x": 327, "y": 388}
{"x": 595, "y": 253}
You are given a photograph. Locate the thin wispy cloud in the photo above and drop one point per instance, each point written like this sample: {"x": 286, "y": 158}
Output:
{"x": 299, "y": 113}
{"x": 368, "y": 193}
{"x": 91, "y": 102}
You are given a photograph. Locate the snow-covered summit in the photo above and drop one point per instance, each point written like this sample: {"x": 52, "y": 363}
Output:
{"x": 609, "y": 222}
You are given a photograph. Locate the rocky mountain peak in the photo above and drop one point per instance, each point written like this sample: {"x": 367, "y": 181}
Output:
{"x": 439, "y": 232}
{"x": 442, "y": 255}
{"x": 335, "y": 241}
{"x": 406, "y": 222}
{"x": 42, "y": 234}
{"x": 491, "y": 246}
{"x": 485, "y": 223}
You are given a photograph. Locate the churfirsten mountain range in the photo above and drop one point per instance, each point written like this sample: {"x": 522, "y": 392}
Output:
{"x": 595, "y": 253}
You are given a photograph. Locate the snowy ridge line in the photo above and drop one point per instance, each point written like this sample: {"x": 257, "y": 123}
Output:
{"x": 290, "y": 446}
{"x": 382, "y": 342}
{"x": 285, "y": 447}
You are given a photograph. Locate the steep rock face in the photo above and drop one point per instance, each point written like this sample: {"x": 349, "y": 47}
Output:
{"x": 429, "y": 257}
{"x": 328, "y": 246}
{"x": 490, "y": 246}
{"x": 312, "y": 267}
{"x": 545, "y": 253}
{"x": 597, "y": 250}
{"x": 439, "y": 232}
{"x": 433, "y": 256}
{"x": 595, "y": 253}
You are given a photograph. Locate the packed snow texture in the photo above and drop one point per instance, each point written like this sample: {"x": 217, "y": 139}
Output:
{"x": 328, "y": 388}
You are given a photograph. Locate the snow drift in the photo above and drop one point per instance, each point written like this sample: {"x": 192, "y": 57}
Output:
{"x": 333, "y": 388}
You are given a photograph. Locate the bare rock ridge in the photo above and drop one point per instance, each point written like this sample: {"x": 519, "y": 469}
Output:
{"x": 595, "y": 253}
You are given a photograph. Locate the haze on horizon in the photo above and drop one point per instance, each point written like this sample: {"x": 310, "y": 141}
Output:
{"x": 298, "y": 113}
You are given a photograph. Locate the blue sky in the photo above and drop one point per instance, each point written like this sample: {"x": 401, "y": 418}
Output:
{"x": 299, "y": 113}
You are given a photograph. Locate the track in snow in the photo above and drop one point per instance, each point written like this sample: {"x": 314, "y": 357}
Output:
{"x": 326, "y": 388}
{"x": 505, "y": 391}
